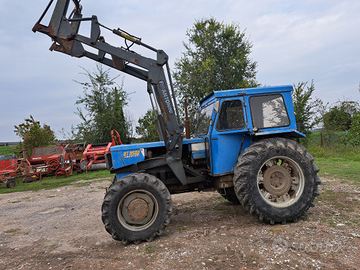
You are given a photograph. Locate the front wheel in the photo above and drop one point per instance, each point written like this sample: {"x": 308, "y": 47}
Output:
{"x": 277, "y": 180}
{"x": 136, "y": 208}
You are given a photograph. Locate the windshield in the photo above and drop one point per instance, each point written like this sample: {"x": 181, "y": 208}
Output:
{"x": 203, "y": 123}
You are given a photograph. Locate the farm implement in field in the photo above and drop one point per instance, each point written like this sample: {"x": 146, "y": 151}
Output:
{"x": 44, "y": 160}
{"x": 7, "y": 166}
{"x": 94, "y": 154}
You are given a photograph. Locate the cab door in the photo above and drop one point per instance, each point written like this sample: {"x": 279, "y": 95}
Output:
{"x": 228, "y": 136}
{"x": 204, "y": 128}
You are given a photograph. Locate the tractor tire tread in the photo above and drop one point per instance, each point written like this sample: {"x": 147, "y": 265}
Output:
{"x": 244, "y": 179}
{"x": 111, "y": 199}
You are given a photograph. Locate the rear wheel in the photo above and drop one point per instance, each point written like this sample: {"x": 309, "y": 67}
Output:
{"x": 277, "y": 180}
{"x": 136, "y": 208}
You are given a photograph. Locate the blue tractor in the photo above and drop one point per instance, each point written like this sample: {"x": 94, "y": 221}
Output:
{"x": 242, "y": 147}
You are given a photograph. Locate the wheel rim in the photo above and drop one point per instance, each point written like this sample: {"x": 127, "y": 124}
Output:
{"x": 137, "y": 210}
{"x": 54, "y": 164}
{"x": 280, "y": 181}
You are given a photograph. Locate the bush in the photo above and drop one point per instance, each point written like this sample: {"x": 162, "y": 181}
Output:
{"x": 353, "y": 135}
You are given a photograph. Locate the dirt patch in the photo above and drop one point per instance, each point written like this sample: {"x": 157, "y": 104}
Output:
{"x": 62, "y": 229}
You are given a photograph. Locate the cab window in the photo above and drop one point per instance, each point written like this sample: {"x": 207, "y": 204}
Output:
{"x": 269, "y": 111}
{"x": 231, "y": 116}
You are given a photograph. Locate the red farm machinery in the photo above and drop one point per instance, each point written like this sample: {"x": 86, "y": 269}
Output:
{"x": 94, "y": 154}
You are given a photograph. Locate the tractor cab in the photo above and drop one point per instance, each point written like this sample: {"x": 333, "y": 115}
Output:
{"x": 230, "y": 121}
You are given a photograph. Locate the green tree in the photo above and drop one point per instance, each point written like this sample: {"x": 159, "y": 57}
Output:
{"x": 353, "y": 135}
{"x": 34, "y": 135}
{"x": 339, "y": 117}
{"x": 147, "y": 127}
{"x": 216, "y": 58}
{"x": 305, "y": 107}
{"x": 103, "y": 103}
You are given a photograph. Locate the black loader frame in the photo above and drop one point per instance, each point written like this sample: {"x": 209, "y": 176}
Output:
{"x": 64, "y": 31}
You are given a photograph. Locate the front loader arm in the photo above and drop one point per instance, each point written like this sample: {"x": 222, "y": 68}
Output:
{"x": 64, "y": 31}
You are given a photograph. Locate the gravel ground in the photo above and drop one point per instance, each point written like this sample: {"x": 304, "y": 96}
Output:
{"x": 62, "y": 229}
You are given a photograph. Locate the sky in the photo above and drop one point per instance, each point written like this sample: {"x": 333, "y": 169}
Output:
{"x": 293, "y": 41}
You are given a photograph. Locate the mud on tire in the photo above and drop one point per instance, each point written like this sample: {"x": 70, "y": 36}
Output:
{"x": 276, "y": 179}
{"x": 136, "y": 208}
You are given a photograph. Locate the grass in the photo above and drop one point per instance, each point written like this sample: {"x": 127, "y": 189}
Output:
{"x": 338, "y": 162}
{"x": 151, "y": 249}
{"x": 12, "y": 230}
{"x": 339, "y": 168}
{"x": 183, "y": 228}
{"x": 14, "y": 202}
{"x": 82, "y": 184}
{"x": 344, "y": 152}
{"x": 51, "y": 182}
{"x": 335, "y": 160}
{"x": 337, "y": 200}
{"x": 342, "y": 208}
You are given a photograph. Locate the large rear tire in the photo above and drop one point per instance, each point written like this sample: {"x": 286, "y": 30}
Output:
{"x": 136, "y": 208}
{"x": 277, "y": 180}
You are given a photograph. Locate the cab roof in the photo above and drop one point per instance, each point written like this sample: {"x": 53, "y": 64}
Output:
{"x": 247, "y": 91}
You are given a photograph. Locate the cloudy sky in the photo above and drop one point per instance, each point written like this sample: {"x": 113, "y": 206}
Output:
{"x": 293, "y": 41}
